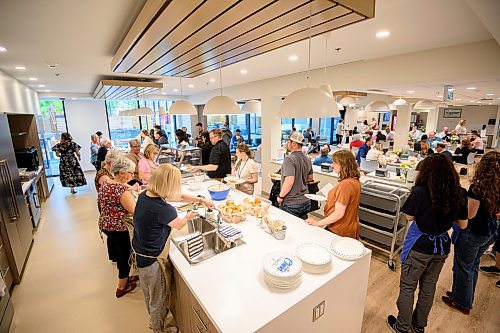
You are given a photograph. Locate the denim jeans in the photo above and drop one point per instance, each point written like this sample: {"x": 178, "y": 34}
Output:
{"x": 468, "y": 250}
{"x": 421, "y": 270}
{"x": 299, "y": 210}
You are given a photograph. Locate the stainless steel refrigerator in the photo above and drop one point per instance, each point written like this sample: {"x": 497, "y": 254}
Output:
{"x": 15, "y": 226}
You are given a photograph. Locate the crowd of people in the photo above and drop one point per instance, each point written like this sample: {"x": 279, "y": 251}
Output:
{"x": 138, "y": 224}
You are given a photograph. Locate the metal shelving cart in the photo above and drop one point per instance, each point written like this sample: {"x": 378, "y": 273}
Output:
{"x": 382, "y": 224}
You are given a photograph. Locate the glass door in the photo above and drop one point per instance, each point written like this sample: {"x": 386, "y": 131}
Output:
{"x": 51, "y": 124}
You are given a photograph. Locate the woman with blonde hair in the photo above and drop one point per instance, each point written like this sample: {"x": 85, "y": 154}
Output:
{"x": 146, "y": 139}
{"x": 484, "y": 209}
{"x": 341, "y": 209}
{"x": 148, "y": 164}
{"x": 94, "y": 148}
{"x": 154, "y": 219}
{"x": 116, "y": 204}
{"x": 246, "y": 168}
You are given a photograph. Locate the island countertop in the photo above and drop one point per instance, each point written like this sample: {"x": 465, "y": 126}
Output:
{"x": 231, "y": 287}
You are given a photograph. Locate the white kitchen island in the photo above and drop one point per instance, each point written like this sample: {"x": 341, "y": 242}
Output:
{"x": 230, "y": 294}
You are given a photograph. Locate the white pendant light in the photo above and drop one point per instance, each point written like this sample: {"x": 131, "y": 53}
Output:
{"x": 221, "y": 105}
{"x": 348, "y": 101}
{"x": 393, "y": 107}
{"x": 399, "y": 102}
{"x": 442, "y": 105}
{"x": 182, "y": 106}
{"x": 424, "y": 104}
{"x": 309, "y": 102}
{"x": 252, "y": 106}
{"x": 326, "y": 87}
{"x": 377, "y": 106}
{"x": 162, "y": 111}
{"x": 144, "y": 111}
{"x": 340, "y": 106}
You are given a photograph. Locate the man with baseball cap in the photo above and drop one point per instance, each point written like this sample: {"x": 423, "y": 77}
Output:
{"x": 296, "y": 172}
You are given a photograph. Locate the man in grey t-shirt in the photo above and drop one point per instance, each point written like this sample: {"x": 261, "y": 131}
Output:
{"x": 296, "y": 172}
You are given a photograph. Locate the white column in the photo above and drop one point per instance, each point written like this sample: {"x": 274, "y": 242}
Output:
{"x": 402, "y": 126}
{"x": 351, "y": 118}
{"x": 432, "y": 120}
{"x": 271, "y": 136}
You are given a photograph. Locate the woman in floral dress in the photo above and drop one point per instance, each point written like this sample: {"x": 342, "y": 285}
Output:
{"x": 70, "y": 172}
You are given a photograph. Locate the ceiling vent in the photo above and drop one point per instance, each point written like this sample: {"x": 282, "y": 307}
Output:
{"x": 190, "y": 38}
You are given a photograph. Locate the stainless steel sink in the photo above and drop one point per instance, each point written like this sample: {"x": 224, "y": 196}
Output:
{"x": 213, "y": 243}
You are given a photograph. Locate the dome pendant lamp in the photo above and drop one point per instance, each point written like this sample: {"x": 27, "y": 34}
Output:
{"x": 399, "y": 102}
{"x": 313, "y": 102}
{"x": 221, "y": 104}
{"x": 377, "y": 106}
{"x": 252, "y": 106}
{"x": 182, "y": 106}
{"x": 424, "y": 104}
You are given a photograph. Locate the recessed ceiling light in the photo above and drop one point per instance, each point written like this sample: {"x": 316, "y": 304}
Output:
{"x": 3, "y": 49}
{"x": 490, "y": 103}
{"x": 471, "y": 88}
{"x": 33, "y": 79}
{"x": 490, "y": 94}
{"x": 73, "y": 98}
{"x": 212, "y": 80}
{"x": 47, "y": 90}
{"x": 410, "y": 91}
{"x": 479, "y": 102}
{"x": 472, "y": 101}
{"x": 176, "y": 90}
{"x": 243, "y": 71}
{"x": 163, "y": 93}
{"x": 21, "y": 68}
{"x": 498, "y": 98}
{"x": 191, "y": 86}
{"x": 293, "y": 57}
{"x": 382, "y": 34}
{"x": 458, "y": 99}
{"x": 41, "y": 86}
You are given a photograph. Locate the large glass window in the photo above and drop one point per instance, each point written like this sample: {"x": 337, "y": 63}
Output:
{"x": 51, "y": 123}
{"x": 122, "y": 129}
{"x": 239, "y": 122}
{"x": 215, "y": 121}
{"x": 301, "y": 124}
{"x": 255, "y": 130}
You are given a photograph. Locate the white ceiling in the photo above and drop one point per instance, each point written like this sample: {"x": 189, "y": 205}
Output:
{"x": 82, "y": 37}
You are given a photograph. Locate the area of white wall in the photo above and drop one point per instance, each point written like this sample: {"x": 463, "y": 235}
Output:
{"x": 476, "y": 117}
{"x": 84, "y": 118}
{"x": 15, "y": 97}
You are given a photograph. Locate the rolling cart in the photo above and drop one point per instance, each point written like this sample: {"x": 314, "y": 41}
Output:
{"x": 382, "y": 224}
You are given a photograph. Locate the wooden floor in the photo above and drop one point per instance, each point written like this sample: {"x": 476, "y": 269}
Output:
{"x": 69, "y": 284}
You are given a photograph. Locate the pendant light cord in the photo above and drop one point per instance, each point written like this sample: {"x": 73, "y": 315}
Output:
{"x": 326, "y": 56}
{"x": 180, "y": 83}
{"x": 310, "y": 36}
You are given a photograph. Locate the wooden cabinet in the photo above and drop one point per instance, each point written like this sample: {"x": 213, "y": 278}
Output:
{"x": 187, "y": 311}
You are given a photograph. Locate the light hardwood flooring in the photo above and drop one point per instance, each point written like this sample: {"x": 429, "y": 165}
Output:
{"x": 69, "y": 284}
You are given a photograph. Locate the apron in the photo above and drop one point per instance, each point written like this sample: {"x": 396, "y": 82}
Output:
{"x": 414, "y": 234}
{"x": 166, "y": 268}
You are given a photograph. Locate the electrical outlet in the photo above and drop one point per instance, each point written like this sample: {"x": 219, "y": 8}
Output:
{"x": 318, "y": 311}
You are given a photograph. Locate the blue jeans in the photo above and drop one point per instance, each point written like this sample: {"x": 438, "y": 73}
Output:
{"x": 468, "y": 250}
{"x": 299, "y": 210}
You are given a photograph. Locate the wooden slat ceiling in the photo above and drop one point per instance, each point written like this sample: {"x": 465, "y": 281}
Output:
{"x": 189, "y": 37}
{"x": 120, "y": 89}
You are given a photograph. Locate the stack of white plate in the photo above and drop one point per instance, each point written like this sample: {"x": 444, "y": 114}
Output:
{"x": 315, "y": 258}
{"x": 282, "y": 270}
{"x": 347, "y": 248}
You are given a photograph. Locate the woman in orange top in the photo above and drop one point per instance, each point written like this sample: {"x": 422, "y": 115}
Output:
{"x": 341, "y": 209}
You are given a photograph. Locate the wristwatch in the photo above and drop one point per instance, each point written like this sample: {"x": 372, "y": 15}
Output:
{"x": 281, "y": 197}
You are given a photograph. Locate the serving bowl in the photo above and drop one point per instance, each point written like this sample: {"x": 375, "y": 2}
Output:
{"x": 218, "y": 191}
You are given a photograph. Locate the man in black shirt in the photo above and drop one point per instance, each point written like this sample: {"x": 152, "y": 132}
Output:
{"x": 219, "y": 163}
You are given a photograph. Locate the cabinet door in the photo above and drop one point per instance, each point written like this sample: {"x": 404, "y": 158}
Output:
{"x": 181, "y": 302}
{"x": 200, "y": 323}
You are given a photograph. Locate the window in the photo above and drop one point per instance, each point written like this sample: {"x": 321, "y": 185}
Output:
{"x": 51, "y": 123}
{"x": 215, "y": 121}
{"x": 122, "y": 129}
{"x": 326, "y": 129}
{"x": 239, "y": 122}
{"x": 301, "y": 124}
{"x": 255, "y": 130}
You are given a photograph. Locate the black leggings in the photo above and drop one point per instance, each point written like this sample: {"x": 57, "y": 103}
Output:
{"x": 120, "y": 241}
